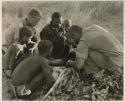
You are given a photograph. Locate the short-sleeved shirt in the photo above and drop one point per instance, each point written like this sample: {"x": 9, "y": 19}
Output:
{"x": 99, "y": 39}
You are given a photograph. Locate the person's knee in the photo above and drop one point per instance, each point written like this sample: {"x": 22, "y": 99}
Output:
{"x": 14, "y": 82}
{"x": 97, "y": 58}
{"x": 36, "y": 82}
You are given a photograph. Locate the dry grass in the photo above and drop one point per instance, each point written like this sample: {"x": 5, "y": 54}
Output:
{"x": 107, "y": 14}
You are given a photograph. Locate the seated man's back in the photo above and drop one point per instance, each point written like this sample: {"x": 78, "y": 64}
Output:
{"x": 29, "y": 67}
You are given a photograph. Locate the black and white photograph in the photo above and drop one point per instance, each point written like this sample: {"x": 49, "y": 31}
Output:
{"x": 62, "y": 50}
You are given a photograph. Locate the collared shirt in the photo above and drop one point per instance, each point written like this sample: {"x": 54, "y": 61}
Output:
{"x": 99, "y": 39}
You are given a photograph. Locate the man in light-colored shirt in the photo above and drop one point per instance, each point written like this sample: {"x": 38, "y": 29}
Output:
{"x": 97, "y": 49}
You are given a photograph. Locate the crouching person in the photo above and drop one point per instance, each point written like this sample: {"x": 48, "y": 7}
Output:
{"x": 16, "y": 50}
{"x": 97, "y": 49}
{"x": 34, "y": 71}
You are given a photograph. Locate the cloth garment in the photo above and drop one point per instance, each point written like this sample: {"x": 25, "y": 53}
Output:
{"x": 97, "y": 46}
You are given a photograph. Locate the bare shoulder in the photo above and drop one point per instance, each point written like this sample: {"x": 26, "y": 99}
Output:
{"x": 43, "y": 61}
{"x": 38, "y": 58}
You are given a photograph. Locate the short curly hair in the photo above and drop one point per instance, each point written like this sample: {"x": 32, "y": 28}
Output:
{"x": 25, "y": 31}
{"x": 34, "y": 12}
{"x": 56, "y": 15}
{"x": 44, "y": 45}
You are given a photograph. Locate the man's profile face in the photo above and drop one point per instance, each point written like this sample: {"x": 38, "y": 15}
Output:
{"x": 73, "y": 37}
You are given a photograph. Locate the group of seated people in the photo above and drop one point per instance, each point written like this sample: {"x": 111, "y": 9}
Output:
{"x": 29, "y": 62}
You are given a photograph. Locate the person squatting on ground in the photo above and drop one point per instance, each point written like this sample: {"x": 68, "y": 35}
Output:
{"x": 12, "y": 33}
{"x": 55, "y": 33}
{"x": 35, "y": 69}
{"x": 97, "y": 49}
{"x": 17, "y": 50}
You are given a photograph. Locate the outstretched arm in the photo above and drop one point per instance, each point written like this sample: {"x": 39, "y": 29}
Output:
{"x": 81, "y": 56}
{"x": 47, "y": 73}
{"x": 56, "y": 62}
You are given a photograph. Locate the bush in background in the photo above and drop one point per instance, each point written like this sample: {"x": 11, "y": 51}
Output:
{"x": 108, "y": 14}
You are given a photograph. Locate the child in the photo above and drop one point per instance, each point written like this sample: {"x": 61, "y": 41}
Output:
{"x": 66, "y": 25}
{"x": 34, "y": 70}
{"x": 16, "y": 50}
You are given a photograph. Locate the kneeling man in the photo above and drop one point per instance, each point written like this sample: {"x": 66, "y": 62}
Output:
{"x": 97, "y": 49}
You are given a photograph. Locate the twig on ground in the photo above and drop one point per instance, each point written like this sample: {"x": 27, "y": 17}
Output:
{"x": 60, "y": 78}
{"x": 14, "y": 91}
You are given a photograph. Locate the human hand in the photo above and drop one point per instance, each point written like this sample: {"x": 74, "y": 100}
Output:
{"x": 33, "y": 48}
{"x": 69, "y": 63}
{"x": 20, "y": 48}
